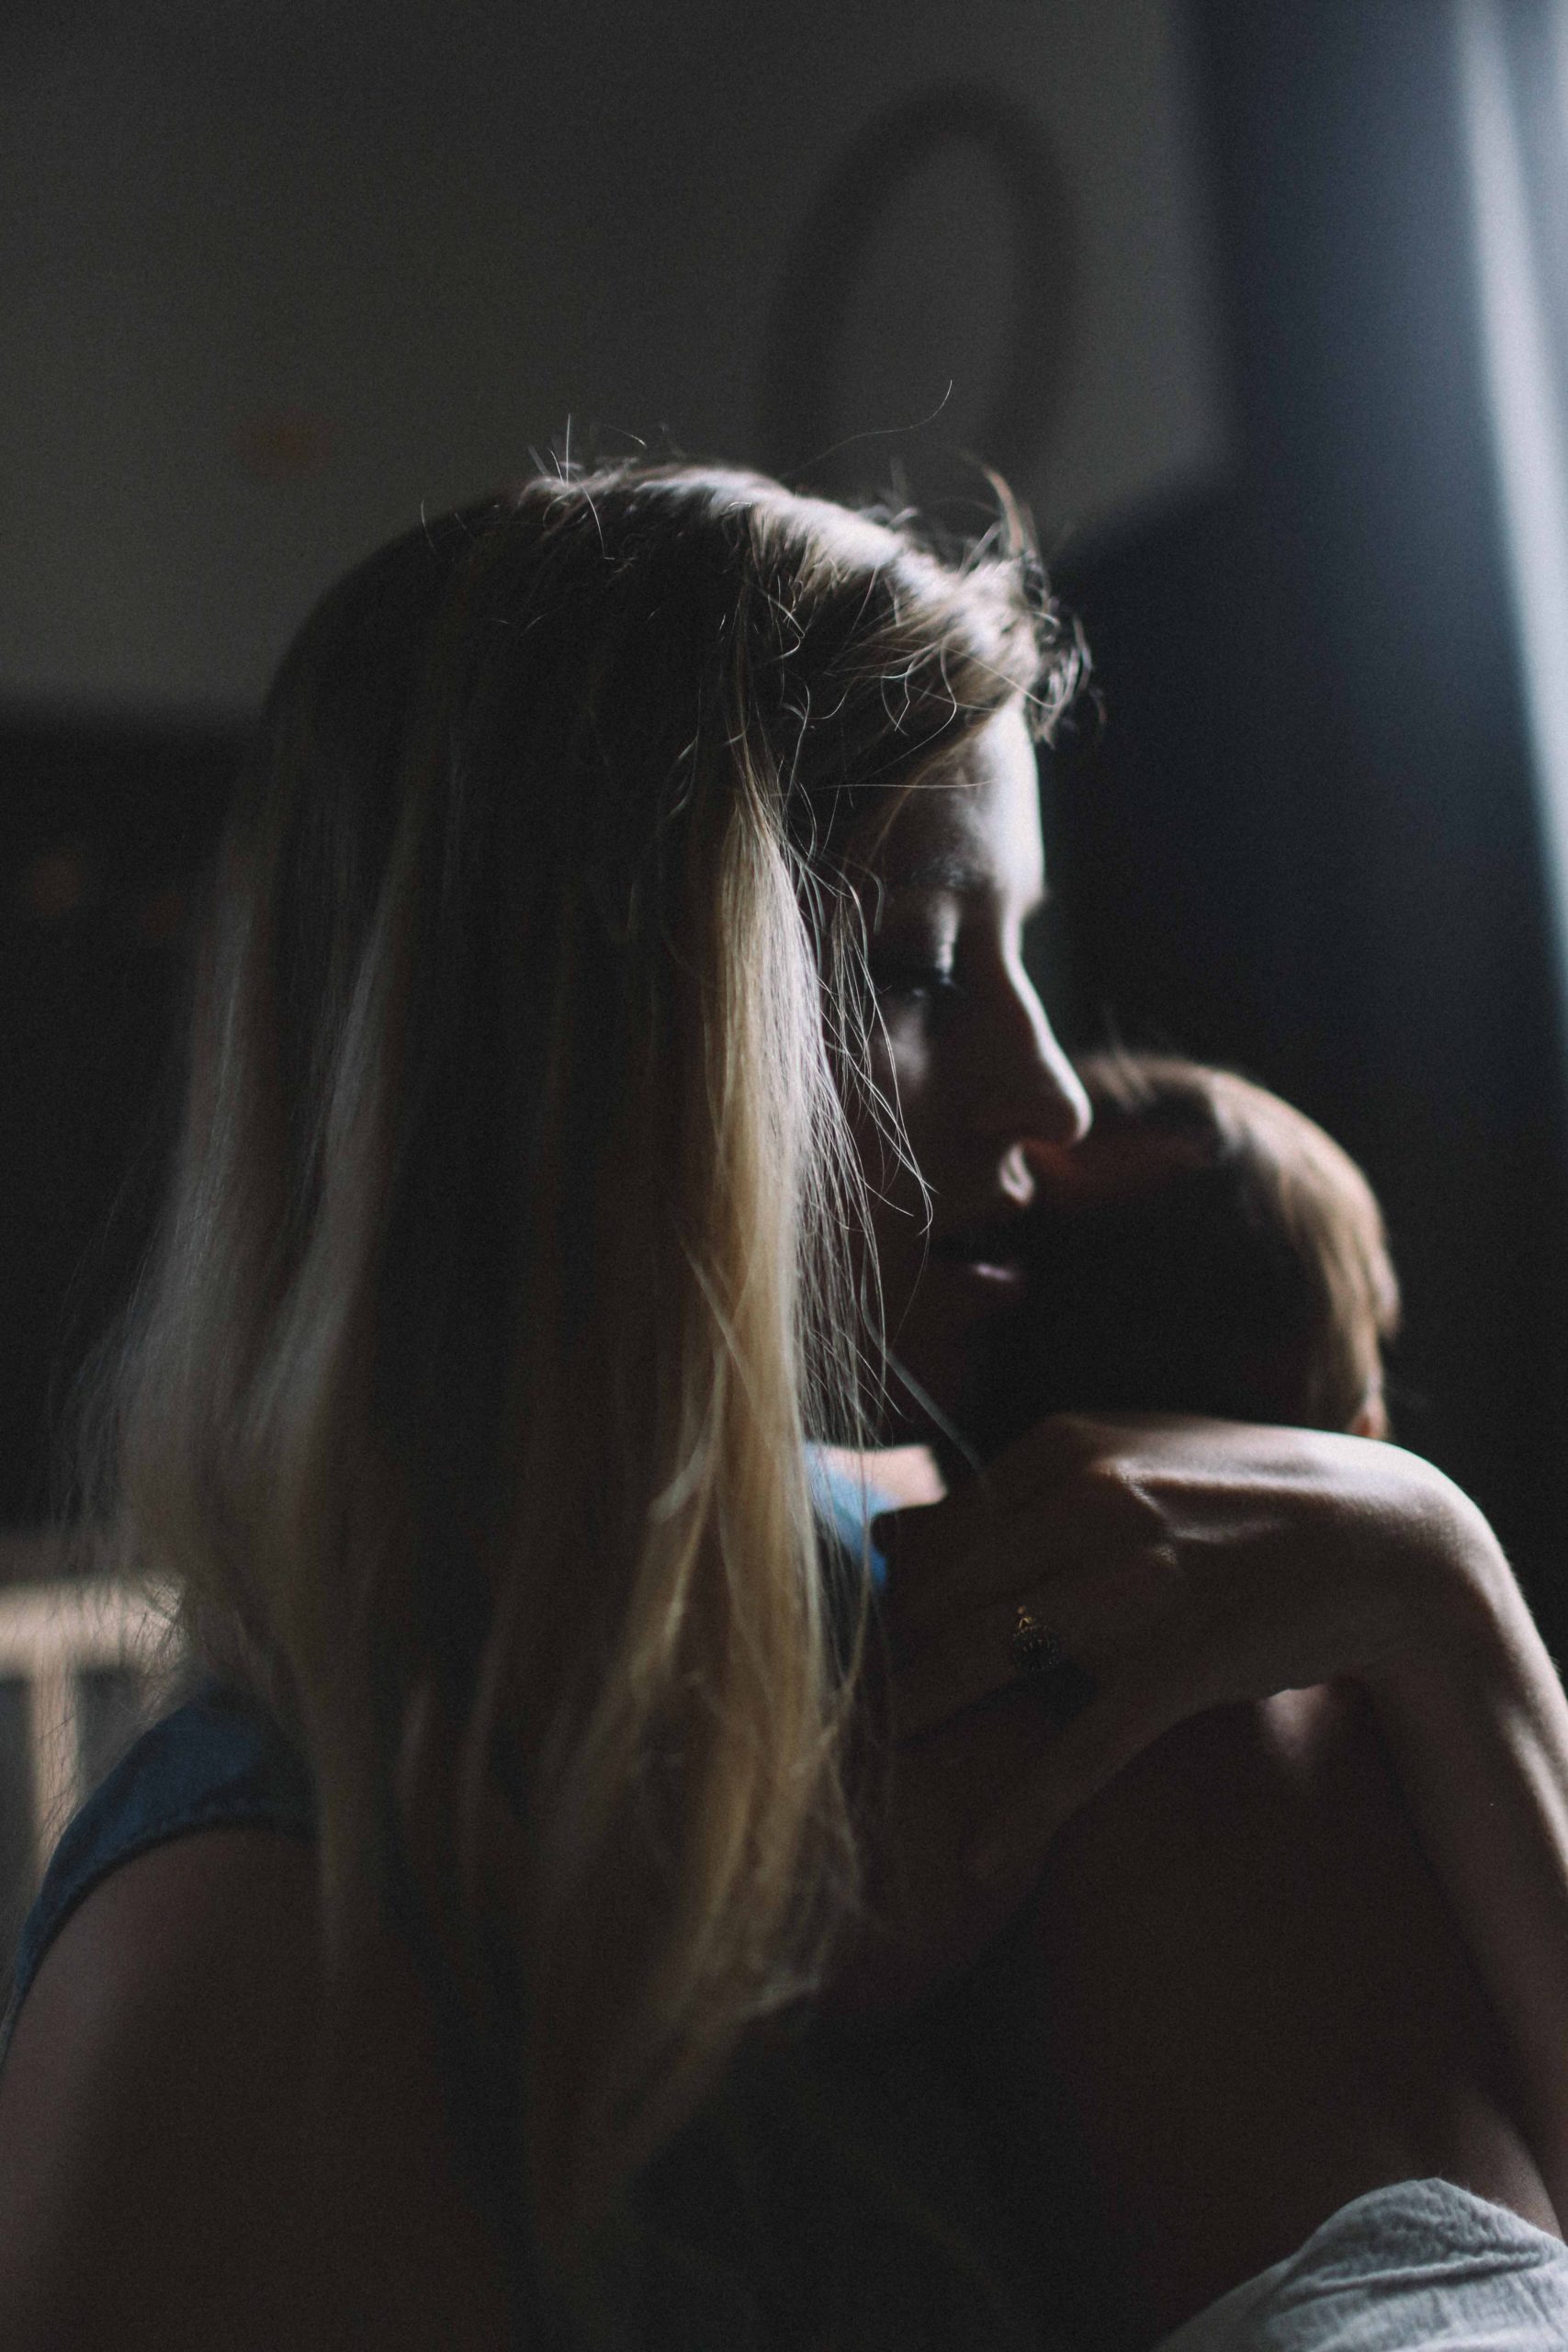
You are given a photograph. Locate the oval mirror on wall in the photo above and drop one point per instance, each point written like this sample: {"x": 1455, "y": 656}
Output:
{"x": 927, "y": 298}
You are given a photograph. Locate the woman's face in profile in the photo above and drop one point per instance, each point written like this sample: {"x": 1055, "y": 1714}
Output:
{"x": 966, "y": 1053}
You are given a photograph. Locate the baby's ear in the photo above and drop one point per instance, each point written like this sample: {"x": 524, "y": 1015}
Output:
{"x": 1372, "y": 1418}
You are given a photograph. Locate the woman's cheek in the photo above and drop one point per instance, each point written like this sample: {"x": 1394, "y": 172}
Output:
{"x": 904, "y": 1066}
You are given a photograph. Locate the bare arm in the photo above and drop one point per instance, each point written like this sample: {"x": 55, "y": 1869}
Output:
{"x": 1477, "y": 1725}
{"x": 1190, "y": 1566}
{"x": 1235, "y": 2001}
{"x": 169, "y": 2174}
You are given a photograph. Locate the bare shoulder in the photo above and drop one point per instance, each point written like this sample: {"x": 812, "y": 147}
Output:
{"x": 174, "y": 2167}
{"x": 231, "y": 1908}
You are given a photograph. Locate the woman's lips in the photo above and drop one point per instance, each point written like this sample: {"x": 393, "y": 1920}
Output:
{"x": 998, "y": 1278}
{"x": 988, "y": 1249}
{"x": 985, "y": 1261}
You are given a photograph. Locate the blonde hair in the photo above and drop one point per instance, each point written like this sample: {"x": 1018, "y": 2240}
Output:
{"x": 509, "y": 1259}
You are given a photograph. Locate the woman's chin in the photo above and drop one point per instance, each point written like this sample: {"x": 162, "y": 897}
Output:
{"x": 944, "y": 1341}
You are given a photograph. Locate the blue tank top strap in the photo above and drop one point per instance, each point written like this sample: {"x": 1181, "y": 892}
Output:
{"x": 216, "y": 1761}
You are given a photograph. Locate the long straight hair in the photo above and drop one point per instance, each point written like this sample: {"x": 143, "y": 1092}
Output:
{"x": 512, "y": 1252}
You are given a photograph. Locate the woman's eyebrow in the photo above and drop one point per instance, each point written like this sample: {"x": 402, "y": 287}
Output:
{"x": 955, "y": 872}
{"x": 951, "y": 870}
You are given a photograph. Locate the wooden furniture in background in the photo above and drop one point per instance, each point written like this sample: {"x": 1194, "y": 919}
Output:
{"x": 63, "y": 1645}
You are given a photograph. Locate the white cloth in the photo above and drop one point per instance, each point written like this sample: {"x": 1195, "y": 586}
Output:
{"x": 1419, "y": 2266}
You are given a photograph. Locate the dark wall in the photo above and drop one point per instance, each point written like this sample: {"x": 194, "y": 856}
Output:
{"x": 103, "y": 831}
{"x": 1304, "y": 838}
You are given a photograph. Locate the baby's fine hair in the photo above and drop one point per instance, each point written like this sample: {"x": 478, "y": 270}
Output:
{"x": 1207, "y": 1249}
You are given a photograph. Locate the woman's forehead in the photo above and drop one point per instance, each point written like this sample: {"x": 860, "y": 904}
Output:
{"x": 975, "y": 830}
{"x": 936, "y": 841}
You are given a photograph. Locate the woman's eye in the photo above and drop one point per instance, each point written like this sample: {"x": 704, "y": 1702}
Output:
{"x": 915, "y": 983}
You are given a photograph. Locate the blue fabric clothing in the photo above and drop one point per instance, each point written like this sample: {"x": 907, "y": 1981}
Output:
{"x": 215, "y": 1762}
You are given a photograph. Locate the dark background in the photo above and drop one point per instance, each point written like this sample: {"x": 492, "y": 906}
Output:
{"x": 1307, "y": 841}
{"x": 1301, "y": 837}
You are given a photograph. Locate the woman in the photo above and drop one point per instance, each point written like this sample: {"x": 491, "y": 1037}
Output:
{"x": 612, "y": 1067}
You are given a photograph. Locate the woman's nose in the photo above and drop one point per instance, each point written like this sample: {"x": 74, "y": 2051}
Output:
{"x": 1049, "y": 1103}
{"x": 1065, "y": 1112}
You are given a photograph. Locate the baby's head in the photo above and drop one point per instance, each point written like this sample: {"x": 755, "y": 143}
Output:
{"x": 1206, "y": 1249}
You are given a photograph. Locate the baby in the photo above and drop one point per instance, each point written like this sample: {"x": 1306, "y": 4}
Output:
{"x": 1206, "y": 1249}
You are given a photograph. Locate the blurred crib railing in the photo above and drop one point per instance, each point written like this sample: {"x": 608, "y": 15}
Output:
{"x": 81, "y": 1665}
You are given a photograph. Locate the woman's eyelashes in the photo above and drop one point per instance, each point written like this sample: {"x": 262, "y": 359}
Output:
{"x": 911, "y": 981}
